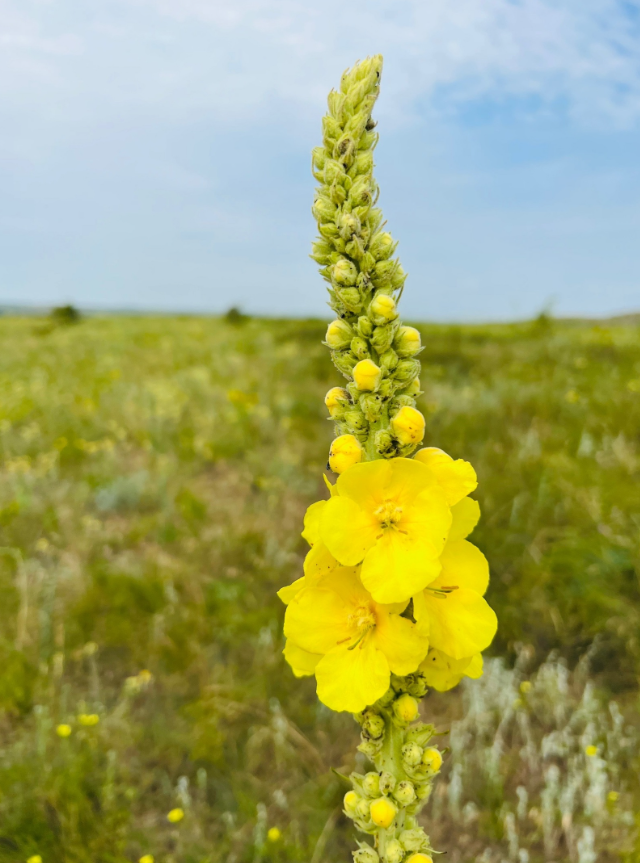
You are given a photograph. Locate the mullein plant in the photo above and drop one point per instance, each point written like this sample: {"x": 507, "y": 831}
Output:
{"x": 391, "y": 600}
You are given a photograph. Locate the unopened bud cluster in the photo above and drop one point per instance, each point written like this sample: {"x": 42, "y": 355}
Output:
{"x": 386, "y": 801}
{"x": 368, "y": 344}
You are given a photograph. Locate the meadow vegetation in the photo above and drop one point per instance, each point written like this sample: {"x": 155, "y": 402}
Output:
{"x": 155, "y": 472}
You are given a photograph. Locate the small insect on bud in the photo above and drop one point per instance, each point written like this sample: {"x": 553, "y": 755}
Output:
{"x": 408, "y": 425}
{"x": 405, "y": 708}
{"x": 336, "y": 400}
{"x": 383, "y": 309}
{"x": 412, "y": 754}
{"x": 394, "y": 852}
{"x": 407, "y": 342}
{"x": 371, "y": 784}
{"x": 345, "y": 451}
{"x": 344, "y": 272}
{"x": 383, "y": 811}
{"x": 373, "y": 725}
{"x": 365, "y": 854}
{"x": 387, "y": 782}
{"x": 405, "y": 793}
{"x": 339, "y": 335}
{"x": 350, "y": 801}
{"x": 367, "y": 375}
{"x": 432, "y": 759}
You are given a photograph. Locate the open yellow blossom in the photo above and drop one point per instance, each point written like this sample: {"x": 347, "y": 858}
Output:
{"x": 457, "y": 478}
{"x": 63, "y": 730}
{"x": 393, "y": 517}
{"x": 359, "y": 640}
{"x": 460, "y": 622}
{"x": 303, "y": 663}
{"x": 443, "y": 672}
{"x": 175, "y": 815}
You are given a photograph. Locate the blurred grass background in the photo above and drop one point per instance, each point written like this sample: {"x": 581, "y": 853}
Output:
{"x": 155, "y": 473}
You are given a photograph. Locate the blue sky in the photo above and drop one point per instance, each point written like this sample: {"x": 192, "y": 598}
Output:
{"x": 154, "y": 154}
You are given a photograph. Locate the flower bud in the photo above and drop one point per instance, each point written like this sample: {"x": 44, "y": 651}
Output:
{"x": 344, "y": 361}
{"x": 363, "y": 809}
{"x": 382, "y": 337}
{"x": 365, "y": 327}
{"x": 417, "y": 684}
{"x": 420, "y": 858}
{"x": 387, "y": 782}
{"x": 423, "y": 791}
{"x": 386, "y": 388}
{"x": 405, "y": 793}
{"x": 383, "y": 443}
{"x": 412, "y": 754}
{"x": 365, "y": 854}
{"x": 359, "y": 348}
{"x": 370, "y": 748}
{"x": 371, "y": 784}
{"x": 355, "y": 421}
{"x": 320, "y": 251}
{"x": 382, "y": 309}
{"x": 339, "y": 335}
{"x": 394, "y": 852}
{"x": 336, "y": 400}
{"x": 371, "y": 405}
{"x": 407, "y": 342}
{"x": 432, "y": 759}
{"x": 405, "y": 708}
{"x": 413, "y": 389}
{"x": 350, "y": 801}
{"x": 398, "y": 278}
{"x": 382, "y": 246}
{"x": 345, "y": 451}
{"x": 406, "y": 371}
{"x": 350, "y": 299}
{"x": 344, "y": 272}
{"x": 323, "y": 209}
{"x": 414, "y": 840}
{"x": 349, "y": 224}
{"x": 408, "y": 425}
{"x": 383, "y": 811}
{"x": 367, "y": 375}
{"x": 388, "y": 361}
{"x": 372, "y": 725}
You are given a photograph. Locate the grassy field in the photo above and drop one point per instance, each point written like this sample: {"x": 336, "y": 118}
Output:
{"x": 155, "y": 472}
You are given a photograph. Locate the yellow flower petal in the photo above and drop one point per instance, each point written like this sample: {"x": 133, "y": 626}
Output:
{"x": 348, "y": 531}
{"x": 317, "y": 620}
{"x": 463, "y": 565}
{"x": 457, "y": 478}
{"x": 311, "y": 532}
{"x": 475, "y": 667}
{"x": 352, "y": 679}
{"x": 466, "y": 515}
{"x": 461, "y": 623}
{"x": 401, "y": 641}
{"x": 290, "y": 591}
{"x": 319, "y": 561}
{"x": 303, "y": 663}
{"x": 365, "y": 483}
{"x": 398, "y": 567}
{"x": 442, "y": 672}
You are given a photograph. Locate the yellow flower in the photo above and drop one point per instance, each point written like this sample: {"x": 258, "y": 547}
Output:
{"x": 613, "y": 796}
{"x": 382, "y": 812}
{"x": 359, "y": 641}
{"x": 407, "y": 342}
{"x": 175, "y": 815}
{"x": 88, "y": 719}
{"x": 392, "y": 516}
{"x": 408, "y": 425}
{"x": 303, "y": 663}
{"x": 63, "y": 730}
{"x": 36, "y": 858}
{"x": 273, "y": 834}
{"x": 459, "y": 620}
{"x": 147, "y": 858}
{"x": 384, "y": 306}
{"x": 339, "y": 335}
{"x": 525, "y": 686}
{"x": 336, "y": 400}
{"x": 420, "y": 858}
{"x": 432, "y": 759}
{"x": 591, "y": 750}
{"x": 442, "y": 672}
{"x": 457, "y": 478}
{"x": 367, "y": 375}
{"x": 345, "y": 451}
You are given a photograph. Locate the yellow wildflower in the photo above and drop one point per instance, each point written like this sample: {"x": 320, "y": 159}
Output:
{"x": 273, "y": 834}
{"x": 457, "y": 478}
{"x": 432, "y": 759}
{"x": 345, "y": 451}
{"x": 408, "y": 425}
{"x": 420, "y": 858}
{"x": 147, "y": 858}
{"x": 391, "y": 516}
{"x": 303, "y": 663}
{"x": 367, "y": 375}
{"x": 63, "y": 730}
{"x": 35, "y": 858}
{"x": 443, "y": 672}
{"x": 360, "y": 641}
{"x": 336, "y": 400}
{"x": 459, "y": 620}
{"x": 613, "y": 796}
{"x": 382, "y": 811}
{"x": 88, "y": 719}
{"x": 591, "y": 750}
{"x": 175, "y": 815}
{"x": 525, "y": 686}
{"x": 384, "y": 306}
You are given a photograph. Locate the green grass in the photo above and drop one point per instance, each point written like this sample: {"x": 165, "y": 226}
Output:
{"x": 155, "y": 473}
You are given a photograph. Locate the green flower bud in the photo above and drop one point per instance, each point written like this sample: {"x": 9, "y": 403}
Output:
{"x": 372, "y": 724}
{"x": 384, "y": 443}
{"x": 382, "y": 337}
{"x": 363, "y": 163}
{"x": 350, "y": 801}
{"x": 359, "y": 348}
{"x": 344, "y": 361}
{"x": 333, "y": 172}
{"x": 355, "y": 420}
{"x": 407, "y": 342}
{"x": 344, "y": 272}
{"x": 349, "y": 225}
{"x": 394, "y": 852}
{"x": 321, "y": 251}
{"x": 339, "y": 335}
{"x": 382, "y": 246}
{"x": 405, "y": 708}
{"x": 414, "y": 840}
{"x": 416, "y": 684}
{"x": 420, "y": 734}
{"x": 388, "y": 361}
{"x": 386, "y": 388}
{"x": 365, "y": 854}
{"x": 398, "y": 278}
{"x": 413, "y": 390}
{"x": 371, "y": 784}
{"x": 412, "y": 754}
{"x": 406, "y": 371}
{"x": 318, "y": 157}
{"x": 330, "y": 129}
{"x": 324, "y": 209}
{"x": 401, "y": 401}
{"x": 382, "y": 308}
{"x": 370, "y": 748}
{"x": 371, "y": 405}
{"x": 363, "y": 810}
{"x": 423, "y": 791}
{"x": 405, "y": 793}
{"x": 364, "y": 326}
{"x": 387, "y": 782}
{"x": 350, "y": 299}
